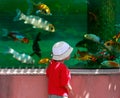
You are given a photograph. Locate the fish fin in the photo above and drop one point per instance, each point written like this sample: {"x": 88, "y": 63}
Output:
{"x": 38, "y": 11}
{"x": 31, "y": 5}
{"x": 34, "y": 26}
{"x": 8, "y": 50}
{"x": 18, "y": 15}
{"x": 4, "y": 49}
{"x": 11, "y": 51}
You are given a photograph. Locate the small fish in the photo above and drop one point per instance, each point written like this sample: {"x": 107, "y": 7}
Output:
{"x": 82, "y": 53}
{"x": 39, "y": 7}
{"x": 92, "y": 17}
{"x": 109, "y": 44}
{"x": 24, "y": 58}
{"x": 110, "y": 63}
{"x": 92, "y": 37}
{"x": 35, "y": 46}
{"x": 116, "y": 37}
{"x": 88, "y": 45}
{"x": 104, "y": 54}
{"x": 112, "y": 45}
{"x": 44, "y": 61}
{"x": 15, "y": 35}
{"x": 85, "y": 56}
{"x": 117, "y": 25}
{"x": 36, "y": 21}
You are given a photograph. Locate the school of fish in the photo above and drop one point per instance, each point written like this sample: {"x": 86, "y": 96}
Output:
{"x": 38, "y": 22}
{"x": 107, "y": 53}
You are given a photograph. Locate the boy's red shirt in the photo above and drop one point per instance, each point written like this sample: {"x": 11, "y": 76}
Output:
{"x": 58, "y": 77}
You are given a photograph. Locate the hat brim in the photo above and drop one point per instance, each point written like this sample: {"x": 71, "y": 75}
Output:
{"x": 63, "y": 56}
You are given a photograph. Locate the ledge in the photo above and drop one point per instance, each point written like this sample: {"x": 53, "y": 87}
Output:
{"x": 95, "y": 71}
{"x": 73, "y": 71}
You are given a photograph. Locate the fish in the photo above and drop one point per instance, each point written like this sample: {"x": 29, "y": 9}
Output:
{"x": 116, "y": 37}
{"x": 38, "y": 7}
{"x": 82, "y": 53}
{"x": 104, "y": 54}
{"x": 112, "y": 45}
{"x": 44, "y": 61}
{"x": 35, "y": 46}
{"x": 15, "y": 35}
{"x": 22, "y": 57}
{"x": 110, "y": 63}
{"x": 92, "y": 37}
{"x": 109, "y": 44}
{"x": 88, "y": 45}
{"x": 117, "y": 25}
{"x": 92, "y": 17}
{"x": 85, "y": 56}
{"x": 36, "y": 21}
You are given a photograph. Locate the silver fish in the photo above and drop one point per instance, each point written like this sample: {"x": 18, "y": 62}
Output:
{"x": 36, "y": 21}
{"x": 110, "y": 63}
{"x": 92, "y": 37}
{"x": 24, "y": 58}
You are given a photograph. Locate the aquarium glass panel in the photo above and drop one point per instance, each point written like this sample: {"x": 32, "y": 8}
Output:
{"x": 29, "y": 28}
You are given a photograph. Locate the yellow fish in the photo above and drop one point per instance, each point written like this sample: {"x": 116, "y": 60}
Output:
{"x": 44, "y": 61}
{"x": 112, "y": 45}
{"x": 84, "y": 56}
{"x": 116, "y": 37}
{"x": 43, "y": 8}
{"x": 39, "y": 7}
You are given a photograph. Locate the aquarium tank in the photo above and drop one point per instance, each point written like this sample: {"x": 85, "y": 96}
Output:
{"x": 29, "y": 28}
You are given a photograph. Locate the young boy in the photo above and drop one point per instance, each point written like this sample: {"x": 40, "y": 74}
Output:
{"x": 57, "y": 72}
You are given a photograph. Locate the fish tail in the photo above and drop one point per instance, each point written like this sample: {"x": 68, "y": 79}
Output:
{"x": 8, "y": 50}
{"x": 11, "y": 51}
{"x": 18, "y": 15}
{"x": 5, "y": 49}
{"x": 5, "y": 32}
{"x": 31, "y": 4}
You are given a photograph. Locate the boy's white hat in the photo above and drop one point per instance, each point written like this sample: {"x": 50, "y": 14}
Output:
{"x": 61, "y": 50}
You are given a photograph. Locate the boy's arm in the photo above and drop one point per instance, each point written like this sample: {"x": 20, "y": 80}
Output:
{"x": 69, "y": 88}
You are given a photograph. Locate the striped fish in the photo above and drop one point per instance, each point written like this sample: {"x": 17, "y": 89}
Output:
{"x": 36, "y": 21}
{"x": 24, "y": 58}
